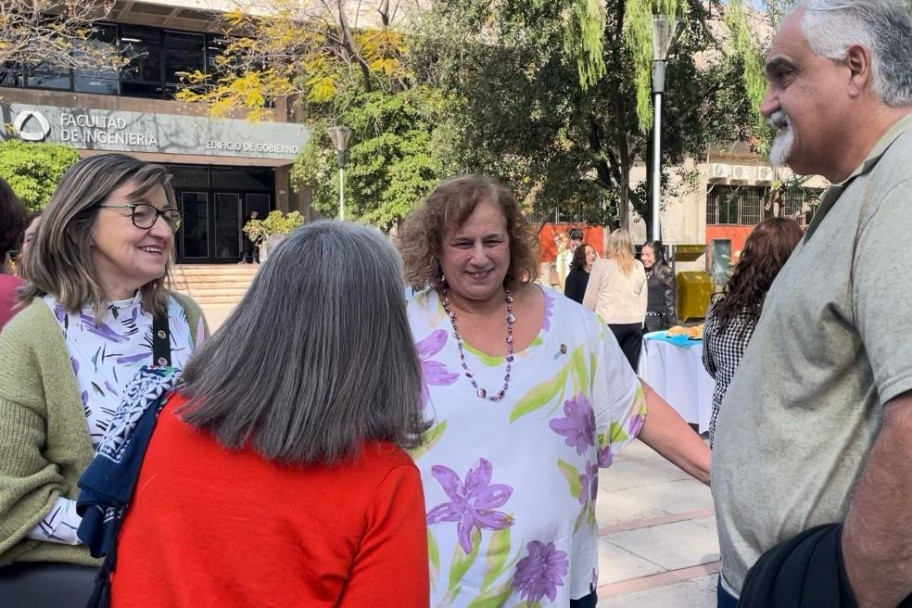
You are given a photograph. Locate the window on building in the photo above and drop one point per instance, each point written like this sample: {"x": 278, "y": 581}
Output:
{"x": 160, "y": 58}
{"x": 183, "y": 53}
{"x": 103, "y": 80}
{"x": 735, "y": 205}
{"x": 44, "y": 76}
{"x": 801, "y": 202}
{"x": 721, "y": 256}
{"x": 11, "y": 74}
{"x": 144, "y": 75}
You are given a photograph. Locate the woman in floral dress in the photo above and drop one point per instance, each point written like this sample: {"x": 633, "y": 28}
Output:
{"x": 529, "y": 395}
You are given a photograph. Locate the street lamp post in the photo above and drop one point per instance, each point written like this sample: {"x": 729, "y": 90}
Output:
{"x": 664, "y": 31}
{"x": 340, "y": 136}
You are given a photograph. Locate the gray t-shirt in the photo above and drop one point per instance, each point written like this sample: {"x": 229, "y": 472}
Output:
{"x": 830, "y": 350}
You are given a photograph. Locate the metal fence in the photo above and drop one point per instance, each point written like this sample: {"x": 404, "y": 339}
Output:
{"x": 744, "y": 205}
{"x": 735, "y": 205}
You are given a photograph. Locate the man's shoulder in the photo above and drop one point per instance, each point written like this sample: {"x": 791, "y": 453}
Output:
{"x": 894, "y": 165}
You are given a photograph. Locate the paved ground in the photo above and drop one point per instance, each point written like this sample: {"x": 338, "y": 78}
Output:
{"x": 216, "y": 314}
{"x": 658, "y": 544}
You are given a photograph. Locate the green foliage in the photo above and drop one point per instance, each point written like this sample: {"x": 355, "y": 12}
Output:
{"x": 333, "y": 72}
{"x": 517, "y": 110}
{"x": 583, "y": 40}
{"x": 746, "y": 48}
{"x": 392, "y": 163}
{"x": 275, "y": 223}
{"x": 34, "y": 169}
{"x": 638, "y": 15}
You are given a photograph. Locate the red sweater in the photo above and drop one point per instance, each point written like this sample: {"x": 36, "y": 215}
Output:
{"x": 9, "y": 285}
{"x": 210, "y": 527}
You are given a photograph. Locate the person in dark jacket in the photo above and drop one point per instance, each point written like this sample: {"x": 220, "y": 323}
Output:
{"x": 251, "y": 253}
{"x": 578, "y": 278}
{"x": 660, "y": 280}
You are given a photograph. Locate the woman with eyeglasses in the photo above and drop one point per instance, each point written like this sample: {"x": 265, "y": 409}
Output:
{"x": 96, "y": 311}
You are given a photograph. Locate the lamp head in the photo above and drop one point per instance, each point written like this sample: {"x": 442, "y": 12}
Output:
{"x": 665, "y": 31}
{"x": 340, "y": 136}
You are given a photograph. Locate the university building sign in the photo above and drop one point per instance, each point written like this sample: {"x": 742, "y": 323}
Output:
{"x": 120, "y": 131}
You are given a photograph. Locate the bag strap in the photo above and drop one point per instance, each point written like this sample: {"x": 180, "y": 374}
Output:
{"x": 101, "y": 593}
{"x": 161, "y": 357}
{"x": 161, "y": 342}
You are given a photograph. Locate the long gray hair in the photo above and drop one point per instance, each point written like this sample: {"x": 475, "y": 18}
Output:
{"x": 884, "y": 27}
{"x": 317, "y": 358}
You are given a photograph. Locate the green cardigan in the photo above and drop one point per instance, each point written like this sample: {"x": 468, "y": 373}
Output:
{"x": 44, "y": 440}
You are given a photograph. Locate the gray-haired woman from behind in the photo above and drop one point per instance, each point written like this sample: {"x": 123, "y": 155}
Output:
{"x": 277, "y": 472}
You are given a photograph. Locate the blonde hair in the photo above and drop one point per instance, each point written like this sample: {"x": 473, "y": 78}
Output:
{"x": 421, "y": 234}
{"x": 60, "y": 259}
{"x": 620, "y": 249}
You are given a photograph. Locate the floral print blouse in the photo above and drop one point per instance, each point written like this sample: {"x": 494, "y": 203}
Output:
{"x": 510, "y": 486}
{"x": 105, "y": 357}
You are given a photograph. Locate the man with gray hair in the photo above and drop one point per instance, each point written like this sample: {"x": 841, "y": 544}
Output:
{"x": 811, "y": 463}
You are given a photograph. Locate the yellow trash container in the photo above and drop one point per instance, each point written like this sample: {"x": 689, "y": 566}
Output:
{"x": 695, "y": 289}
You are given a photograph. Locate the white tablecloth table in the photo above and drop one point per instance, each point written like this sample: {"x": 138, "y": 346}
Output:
{"x": 677, "y": 374}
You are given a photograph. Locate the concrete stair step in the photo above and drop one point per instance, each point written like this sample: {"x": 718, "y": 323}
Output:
{"x": 204, "y": 300}
{"x": 212, "y": 278}
{"x": 214, "y": 284}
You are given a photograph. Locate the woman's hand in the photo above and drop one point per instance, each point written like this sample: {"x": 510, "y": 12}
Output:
{"x": 667, "y": 433}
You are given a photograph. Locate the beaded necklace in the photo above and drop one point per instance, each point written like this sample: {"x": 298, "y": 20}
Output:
{"x": 480, "y": 392}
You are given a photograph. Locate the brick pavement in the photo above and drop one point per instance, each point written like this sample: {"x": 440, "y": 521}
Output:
{"x": 658, "y": 546}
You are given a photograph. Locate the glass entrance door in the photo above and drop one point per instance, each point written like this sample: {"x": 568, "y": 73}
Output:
{"x": 215, "y": 201}
{"x": 227, "y": 226}
{"x": 194, "y": 232}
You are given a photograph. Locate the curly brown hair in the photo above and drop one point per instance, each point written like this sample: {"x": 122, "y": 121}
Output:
{"x": 421, "y": 234}
{"x": 765, "y": 253}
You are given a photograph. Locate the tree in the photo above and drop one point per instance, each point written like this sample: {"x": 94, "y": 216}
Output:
{"x": 33, "y": 169}
{"x": 57, "y": 34}
{"x": 392, "y": 161}
{"x": 334, "y": 70}
{"x": 522, "y": 111}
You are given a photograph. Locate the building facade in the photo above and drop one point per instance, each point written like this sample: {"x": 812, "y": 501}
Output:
{"x": 731, "y": 192}
{"x": 221, "y": 169}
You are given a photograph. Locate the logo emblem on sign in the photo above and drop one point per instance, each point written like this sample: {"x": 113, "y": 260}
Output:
{"x": 24, "y": 118}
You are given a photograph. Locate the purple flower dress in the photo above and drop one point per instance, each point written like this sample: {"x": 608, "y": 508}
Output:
{"x": 510, "y": 486}
{"x": 105, "y": 355}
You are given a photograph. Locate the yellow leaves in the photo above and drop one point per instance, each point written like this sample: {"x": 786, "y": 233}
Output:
{"x": 382, "y": 51}
{"x": 321, "y": 89}
{"x": 248, "y": 93}
{"x": 236, "y": 17}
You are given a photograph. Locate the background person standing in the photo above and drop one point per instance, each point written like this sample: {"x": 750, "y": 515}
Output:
{"x": 251, "y": 253}
{"x": 580, "y": 267}
{"x": 617, "y": 293}
{"x": 12, "y": 226}
{"x": 660, "y": 280}
{"x": 731, "y": 318}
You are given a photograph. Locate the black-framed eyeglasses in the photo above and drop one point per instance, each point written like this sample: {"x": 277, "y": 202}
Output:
{"x": 144, "y": 215}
